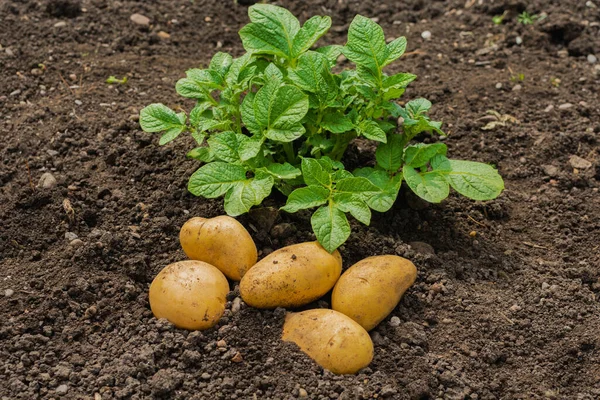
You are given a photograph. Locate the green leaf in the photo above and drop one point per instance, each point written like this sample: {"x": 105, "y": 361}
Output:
{"x": 310, "y": 32}
{"x": 238, "y": 66}
{"x": 422, "y": 124}
{"x": 263, "y": 102}
{"x": 417, "y": 107}
{"x": 331, "y": 53}
{"x": 211, "y": 124}
{"x": 203, "y": 154}
{"x": 188, "y": 88}
{"x": 215, "y": 179}
{"x": 366, "y": 44}
{"x": 431, "y": 186}
{"x": 389, "y": 155}
{"x": 312, "y": 74}
{"x": 273, "y": 73}
{"x": 383, "y": 200}
{"x": 290, "y": 106}
{"x": 418, "y": 155}
{"x": 282, "y": 171}
{"x": 221, "y": 62}
{"x": 355, "y": 206}
{"x": 306, "y": 197}
{"x": 205, "y": 78}
{"x": 396, "y": 49}
{"x": 199, "y": 112}
{"x": 330, "y": 226}
{"x": 272, "y": 31}
{"x": 226, "y": 146}
{"x": 307, "y": 73}
{"x": 400, "y": 80}
{"x": 158, "y": 117}
{"x": 474, "y": 180}
{"x": 248, "y": 193}
{"x": 355, "y": 185}
{"x": 371, "y": 130}
{"x": 314, "y": 173}
{"x": 198, "y": 137}
{"x": 249, "y": 116}
{"x": 287, "y": 134}
{"x": 250, "y": 148}
{"x": 336, "y": 123}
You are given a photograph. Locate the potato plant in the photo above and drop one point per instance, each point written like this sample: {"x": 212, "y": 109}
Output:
{"x": 280, "y": 117}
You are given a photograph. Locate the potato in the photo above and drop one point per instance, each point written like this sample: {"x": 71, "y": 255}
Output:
{"x": 220, "y": 241}
{"x": 370, "y": 289}
{"x": 292, "y": 276}
{"x": 333, "y": 340}
{"x": 190, "y": 294}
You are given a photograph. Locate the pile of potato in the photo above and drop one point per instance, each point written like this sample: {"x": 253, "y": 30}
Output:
{"x": 192, "y": 294}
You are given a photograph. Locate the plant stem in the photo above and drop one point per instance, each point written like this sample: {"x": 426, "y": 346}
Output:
{"x": 289, "y": 152}
{"x": 341, "y": 143}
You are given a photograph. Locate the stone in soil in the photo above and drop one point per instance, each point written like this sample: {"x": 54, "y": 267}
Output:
{"x": 47, "y": 181}
{"x": 579, "y": 163}
{"x": 140, "y": 19}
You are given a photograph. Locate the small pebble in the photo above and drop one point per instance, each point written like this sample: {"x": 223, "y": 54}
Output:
{"x": 70, "y": 236}
{"x": 9, "y": 52}
{"x": 545, "y": 286}
{"x": 592, "y": 58}
{"x": 62, "y": 389}
{"x": 302, "y": 392}
{"x": 394, "y": 321}
{"x": 517, "y": 87}
{"x": 235, "y": 305}
{"x": 60, "y": 24}
{"x": 37, "y": 72}
{"x": 565, "y": 106}
{"x": 76, "y": 243}
{"x": 519, "y": 40}
{"x": 52, "y": 153}
{"x": 140, "y": 19}
{"x": 221, "y": 343}
{"x": 47, "y": 181}
{"x": 549, "y": 108}
{"x": 163, "y": 35}
{"x": 498, "y": 85}
{"x": 515, "y": 308}
{"x": 550, "y": 170}
{"x": 205, "y": 376}
{"x": 426, "y": 35}
{"x": 16, "y": 92}
{"x": 9, "y": 292}
{"x": 579, "y": 163}
{"x": 78, "y": 102}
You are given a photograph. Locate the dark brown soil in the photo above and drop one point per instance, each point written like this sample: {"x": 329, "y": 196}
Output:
{"x": 506, "y": 303}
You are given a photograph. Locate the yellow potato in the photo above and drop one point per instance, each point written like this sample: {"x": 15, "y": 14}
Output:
{"x": 221, "y": 241}
{"x": 333, "y": 340}
{"x": 292, "y": 276}
{"x": 370, "y": 289}
{"x": 190, "y": 294}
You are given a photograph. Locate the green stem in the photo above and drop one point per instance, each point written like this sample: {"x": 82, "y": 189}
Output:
{"x": 289, "y": 152}
{"x": 341, "y": 144}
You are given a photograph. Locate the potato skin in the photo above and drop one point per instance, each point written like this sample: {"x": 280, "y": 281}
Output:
{"x": 221, "y": 241}
{"x": 291, "y": 277}
{"x": 190, "y": 294}
{"x": 333, "y": 340}
{"x": 370, "y": 289}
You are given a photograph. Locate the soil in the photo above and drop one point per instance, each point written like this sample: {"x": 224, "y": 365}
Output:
{"x": 506, "y": 302}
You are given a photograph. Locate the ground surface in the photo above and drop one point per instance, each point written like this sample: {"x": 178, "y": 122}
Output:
{"x": 511, "y": 313}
